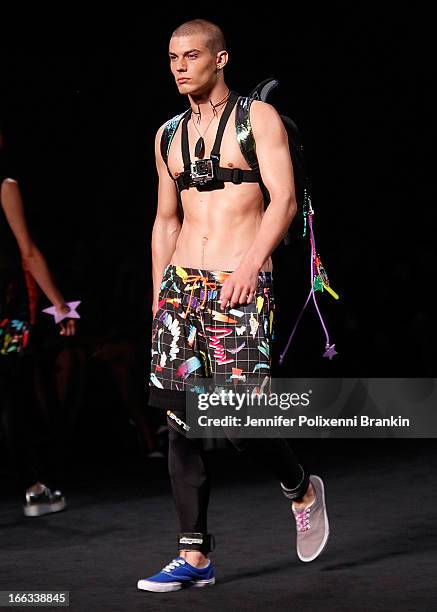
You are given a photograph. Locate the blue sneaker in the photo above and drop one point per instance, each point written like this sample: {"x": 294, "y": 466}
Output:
{"x": 177, "y": 573}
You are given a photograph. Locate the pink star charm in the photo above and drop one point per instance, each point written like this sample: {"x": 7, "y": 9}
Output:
{"x": 330, "y": 351}
{"x": 68, "y": 315}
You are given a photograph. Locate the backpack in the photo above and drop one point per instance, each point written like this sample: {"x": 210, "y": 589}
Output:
{"x": 299, "y": 225}
{"x": 303, "y": 219}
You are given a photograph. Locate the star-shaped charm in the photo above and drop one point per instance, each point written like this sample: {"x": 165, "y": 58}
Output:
{"x": 330, "y": 351}
{"x": 72, "y": 314}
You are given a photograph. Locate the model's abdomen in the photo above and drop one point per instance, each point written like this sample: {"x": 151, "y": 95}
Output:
{"x": 219, "y": 227}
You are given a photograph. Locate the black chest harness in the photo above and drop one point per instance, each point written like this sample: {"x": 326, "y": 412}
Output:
{"x": 207, "y": 174}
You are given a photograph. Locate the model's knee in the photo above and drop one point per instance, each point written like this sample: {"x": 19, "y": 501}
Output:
{"x": 196, "y": 478}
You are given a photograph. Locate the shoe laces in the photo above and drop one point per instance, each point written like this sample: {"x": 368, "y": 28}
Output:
{"x": 303, "y": 519}
{"x": 173, "y": 565}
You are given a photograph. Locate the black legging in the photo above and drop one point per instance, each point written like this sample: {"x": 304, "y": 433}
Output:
{"x": 189, "y": 476}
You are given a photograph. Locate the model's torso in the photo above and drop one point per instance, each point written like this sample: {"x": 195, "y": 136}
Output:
{"x": 219, "y": 226}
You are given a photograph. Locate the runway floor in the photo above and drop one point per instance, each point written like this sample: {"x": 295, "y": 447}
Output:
{"x": 120, "y": 526}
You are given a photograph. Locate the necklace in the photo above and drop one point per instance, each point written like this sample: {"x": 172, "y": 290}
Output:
{"x": 199, "y": 149}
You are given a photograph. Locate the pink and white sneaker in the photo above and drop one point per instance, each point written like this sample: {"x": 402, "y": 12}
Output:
{"x": 312, "y": 524}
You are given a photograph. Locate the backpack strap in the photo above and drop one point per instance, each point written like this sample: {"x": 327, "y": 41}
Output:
{"x": 247, "y": 143}
{"x": 166, "y": 139}
{"x": 244, "y": 131}
{"x": 167, "y": 136}
{"x": 233, "y": 175}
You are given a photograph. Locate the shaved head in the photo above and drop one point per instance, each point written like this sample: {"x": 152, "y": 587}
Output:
{"x": 214, "y": 38}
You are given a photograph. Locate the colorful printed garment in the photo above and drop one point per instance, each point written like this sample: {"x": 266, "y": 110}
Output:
{"x": 14, "y": 336}
{"x": 192, "y": 338}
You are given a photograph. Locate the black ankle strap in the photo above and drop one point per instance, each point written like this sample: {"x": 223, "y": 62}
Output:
{"x": 204, "y": 542}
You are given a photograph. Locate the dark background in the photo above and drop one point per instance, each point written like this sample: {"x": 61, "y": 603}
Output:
{"x": 82, "y": 101}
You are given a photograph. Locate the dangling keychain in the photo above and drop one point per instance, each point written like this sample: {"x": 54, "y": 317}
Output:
{"x": 322, "y": 279}
{"x": 319, "y": 281}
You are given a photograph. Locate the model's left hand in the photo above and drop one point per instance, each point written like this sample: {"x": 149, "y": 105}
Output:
{"x": 240, "y": 286}
{"x": 68, "y": 326}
